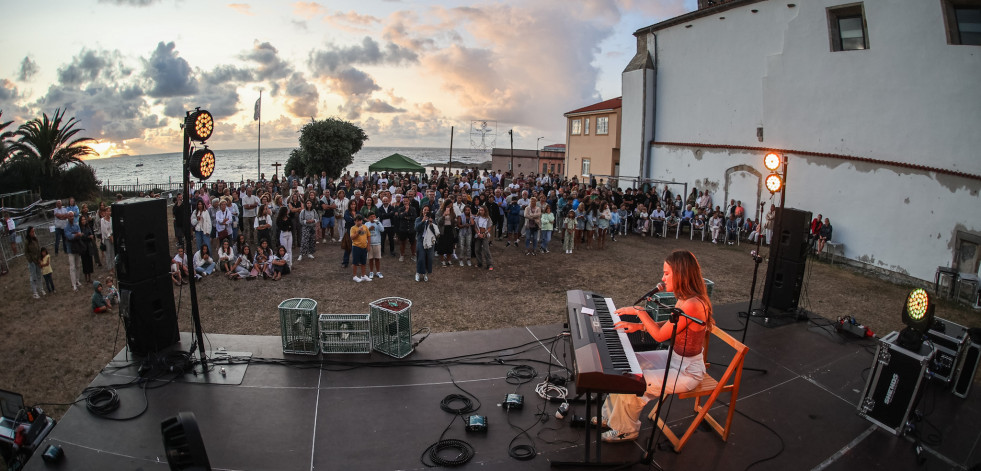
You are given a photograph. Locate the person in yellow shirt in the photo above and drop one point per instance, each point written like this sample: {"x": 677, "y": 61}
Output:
{"x": 359, "y": 249}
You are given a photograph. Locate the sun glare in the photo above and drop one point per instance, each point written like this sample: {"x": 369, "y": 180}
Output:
{"x": 105, "y": 149}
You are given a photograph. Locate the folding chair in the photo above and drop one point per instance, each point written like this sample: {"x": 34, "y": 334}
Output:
{"x": 712, "y": 388}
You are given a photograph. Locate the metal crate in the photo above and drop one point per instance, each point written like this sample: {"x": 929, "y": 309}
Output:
{"x": 298, "y": 324}
{"x": 660, "y": 314}
{"x": 391, "y": 326}
{"x": 345, "y": 333}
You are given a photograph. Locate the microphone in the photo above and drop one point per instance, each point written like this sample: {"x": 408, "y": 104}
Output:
{"x": 657, "y": 289}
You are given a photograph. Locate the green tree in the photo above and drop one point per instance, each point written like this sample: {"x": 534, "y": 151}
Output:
{"x": 6, "y": 140}
{"x": 326, "y": 146}
{"x": 52, "y": 143}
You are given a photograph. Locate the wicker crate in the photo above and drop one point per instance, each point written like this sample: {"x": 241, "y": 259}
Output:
{"x": 345, "y": 333}
{"x": 298, "y": 324}
{"x": 391, "y": 326}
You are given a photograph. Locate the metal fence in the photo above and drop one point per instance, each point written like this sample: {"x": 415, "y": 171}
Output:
{"x": 110, "y": 191}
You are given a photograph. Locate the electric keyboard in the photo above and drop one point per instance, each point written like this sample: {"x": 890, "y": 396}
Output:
{"x": 604, "y": 360}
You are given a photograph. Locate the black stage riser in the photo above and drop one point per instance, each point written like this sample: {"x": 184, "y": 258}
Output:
{"x": 149, "y": 314}
{"x": 139, "y": 226}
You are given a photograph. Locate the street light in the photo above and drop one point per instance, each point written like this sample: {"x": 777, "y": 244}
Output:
{"x": 536, "y": 146}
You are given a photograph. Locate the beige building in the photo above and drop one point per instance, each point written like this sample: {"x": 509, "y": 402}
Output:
{"x": 550, "y": 159}
{"x": 593, "y": 140}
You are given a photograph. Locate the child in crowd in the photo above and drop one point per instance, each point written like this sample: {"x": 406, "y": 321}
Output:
{"x": 359, "y": 248}
{"x": 99, "y": 304}
{"x": 375, "y": 229}
{"x": 281, "y": 263}
{"x": 46, "y": 271}
{"x": 112, "y": 295}
{"x": 570, "y": 232}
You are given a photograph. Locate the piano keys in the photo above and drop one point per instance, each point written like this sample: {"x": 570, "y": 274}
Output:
{"x": 604, "y": 361}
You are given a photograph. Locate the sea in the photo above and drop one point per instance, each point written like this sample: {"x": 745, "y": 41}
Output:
{"x": 238, "y": 165}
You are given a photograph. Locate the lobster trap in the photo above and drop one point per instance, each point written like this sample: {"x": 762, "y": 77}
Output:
{"x": 345, "y": 333}
{"x": 391, "y": 326}
{"x": 298, "y": 324}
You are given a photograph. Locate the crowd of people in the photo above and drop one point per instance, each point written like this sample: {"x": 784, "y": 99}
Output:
{"x": 265, "y": 228}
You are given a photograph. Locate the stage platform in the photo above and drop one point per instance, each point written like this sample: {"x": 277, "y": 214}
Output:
{"x": 383, "y": 417}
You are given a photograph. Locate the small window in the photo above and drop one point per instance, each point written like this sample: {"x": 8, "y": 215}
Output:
{"x": 585, "y": 167}
{"x": 552, "y": 168}
{"x": 847, "y": 28}
{"x": 586, "y": 127}
{"x": 560, "y": 168}
{"x": 544, "y": 168}
{"x": 963, "y": 19}
{"x": 603, "y": 125}
{"x": 576, "y": 127}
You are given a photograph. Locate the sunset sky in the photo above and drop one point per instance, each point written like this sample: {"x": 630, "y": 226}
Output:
{"x": 405, "y": 71}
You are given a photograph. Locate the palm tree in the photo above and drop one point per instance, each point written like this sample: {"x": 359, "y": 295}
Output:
{"x": 50, "y": 143}
{"x": 6, "y": 140}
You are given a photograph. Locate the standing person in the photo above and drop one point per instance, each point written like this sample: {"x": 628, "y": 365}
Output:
{"x": 295, "y": 205}
{"x": 447, "y": 222}
{"x": 61, "y": 219}
{"x": 250, "y": 209}
{"x": 201, "y": 222}
{"x": 768, "y": 225}
{"x": 180, "y": 218}
{"x": 86, "y": 245}
{"x": 548, "y": 224}
{"x": 308, "y": 229}
{"x": 107, "y": 238}
{"x": 327, "y": 221}
{"x": 569, "y": 241}
{"x": 426, "y": 233}
{"x": 359, "y": 248}
{"x": 386, "y": 215}
{"x": 484, "y": 226}
{"x": 815, "y": 231}
{"x": 46, "y": 270}
{"x": 284, "y": 225}
{"x": 406, "y": 220}
{"x": 533, "y": 222}
{"x": 341, "y": 203}
{"x": 223, "y": 222}
{"x": 32, "y": 249}
{"x": 263, "y": 224}
{"x": 513, "y": 212}
{"x": 376, "y": 232}
{"x": 683, "y": 277}
{"x": 465, "y": 235}
{"x": 350, "y": 215}
{"x": 603, "y": 225}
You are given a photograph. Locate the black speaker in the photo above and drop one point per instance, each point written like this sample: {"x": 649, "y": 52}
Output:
{"x": 139, "y": 227}
{"x": 782, "y": 288}
{"x": 149, "y": 314}
{"x": 793, "y": 226}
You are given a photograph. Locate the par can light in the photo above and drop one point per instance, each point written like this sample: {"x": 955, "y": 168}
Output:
{"x": 774, "y": 183}
{"x": 202, "y": 163}
{"x": 199, "y": 125}
{"x": 771, "y": 161}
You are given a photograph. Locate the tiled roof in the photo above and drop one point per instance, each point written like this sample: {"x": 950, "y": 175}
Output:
{"x": 611, "y": 104}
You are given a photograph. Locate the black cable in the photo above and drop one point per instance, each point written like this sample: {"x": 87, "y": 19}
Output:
{"x": 774, "y": 432}
{"x": 465, "y": 451}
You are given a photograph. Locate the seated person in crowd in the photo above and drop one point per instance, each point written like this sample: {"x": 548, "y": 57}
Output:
{"x": 281, "y": 263}
{"x": 99, "y": 304}
{"x": 178, "y": 267}
{"x": 732, "y": 229}
{"x": 715, "y": 224}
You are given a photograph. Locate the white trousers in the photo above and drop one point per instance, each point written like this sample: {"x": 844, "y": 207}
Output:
{"x": 74, "y": 263}
{"x": 622, "y": 411}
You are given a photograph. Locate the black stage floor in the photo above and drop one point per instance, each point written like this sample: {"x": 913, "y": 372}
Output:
{"x": 383, "y": 418}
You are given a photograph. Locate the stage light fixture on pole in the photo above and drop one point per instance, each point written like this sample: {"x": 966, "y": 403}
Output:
{"x": 202, "y": 164}
{"x": 774, "y": 183}
{"x": 199, "y": 125}
{"x": 772, "y": 161}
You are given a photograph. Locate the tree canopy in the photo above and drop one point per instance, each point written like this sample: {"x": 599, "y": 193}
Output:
{"x": 328, "y": 146}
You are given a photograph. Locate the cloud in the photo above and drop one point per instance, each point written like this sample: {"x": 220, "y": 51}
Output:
{"x": 130, "y": 3}
{"x": 271, "y": 66}
{"x": 302, "y": 97}
{"x": 28, "y": 69}
{"x": 334, "y": 58}
{"x": 352, "y": 21}
{"x": 308, "y": 10}
{"x": 8, "y": 91}
{"x": 242, "y": 8}
{"x": 168, "y": 74}
{"x": 227, "y": 73}
{"x": 377, "y": 106}
{"x": 92, "y": 65}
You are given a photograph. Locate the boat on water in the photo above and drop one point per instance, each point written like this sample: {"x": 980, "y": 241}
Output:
{"x": 139, "y": 165}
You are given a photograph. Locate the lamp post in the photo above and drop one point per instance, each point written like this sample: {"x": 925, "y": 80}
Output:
{"x": 511, "y": 134}
{"x": 536, "y": 146}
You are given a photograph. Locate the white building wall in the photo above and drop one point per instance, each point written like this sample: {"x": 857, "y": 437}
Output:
{"x": 632, "y": 134}
{"x": 909, "y": 98}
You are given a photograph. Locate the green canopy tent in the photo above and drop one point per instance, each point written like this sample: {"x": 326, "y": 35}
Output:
{"x": 396, "y": 163}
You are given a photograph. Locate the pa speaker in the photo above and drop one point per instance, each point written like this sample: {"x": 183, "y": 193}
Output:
{"x": 793, "y": 226}
{"x": 139, "y": 227}
{"x": 149, "y": 314}
{"x": 783, "y": 284}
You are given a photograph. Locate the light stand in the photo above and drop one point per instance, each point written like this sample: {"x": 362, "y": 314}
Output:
{"x": 774, "y": 248}
{"x": 195, "y": 314}
{"x": 757, "y": 259}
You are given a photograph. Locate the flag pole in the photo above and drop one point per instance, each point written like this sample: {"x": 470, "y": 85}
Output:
{"x": 258, "y": 117}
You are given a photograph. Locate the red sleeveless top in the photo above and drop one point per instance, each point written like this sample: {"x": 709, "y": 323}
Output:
{"x": 690, "y": 342}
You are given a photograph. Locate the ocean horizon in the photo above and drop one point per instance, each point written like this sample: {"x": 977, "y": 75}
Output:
{"x": 241, "y": 164}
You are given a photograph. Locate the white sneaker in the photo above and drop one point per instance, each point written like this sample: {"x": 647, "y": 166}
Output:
{"x": 461, "y": 263}
{"x": 311, "y": 256}
{"x": 379, "y": 275}
{"x": 299, "y": 258}
{"x": 401, "y": 258}
{"x": 417, "y": 277}
{"x": 425, "y": 277}
{"x": 323, "y": 241}
{"x": 469, "y": 263}
{"x": 36, "y": 296}
{"x": 454, "y": 257}
{"x": 365, "y": 279}
{"x": 358, "y": 279}
{"x": 371, "y": 274}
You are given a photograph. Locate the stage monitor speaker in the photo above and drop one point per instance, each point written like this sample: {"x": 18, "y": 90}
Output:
{"x": 791, "y": 233}
{"x": 783, "y": 285}
{"x": 149, "y": 314}
{"x": 139, "y": 226}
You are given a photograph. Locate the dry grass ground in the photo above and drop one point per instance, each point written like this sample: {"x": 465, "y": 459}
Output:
{"x": 53, "y": 347}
